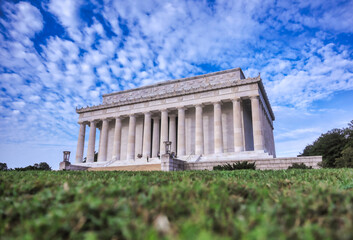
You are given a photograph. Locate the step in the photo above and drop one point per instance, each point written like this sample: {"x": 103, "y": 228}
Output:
{"x": 147, "y": 167}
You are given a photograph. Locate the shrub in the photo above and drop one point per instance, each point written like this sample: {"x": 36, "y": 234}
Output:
{"x": 347, "y": 158}
{"x": 236, "y": 166}
{"x": 299, "y": 166}
{"x": 41, "y": 166}
{"x": 3, "y": 167}
{"x": 335, "y": 147}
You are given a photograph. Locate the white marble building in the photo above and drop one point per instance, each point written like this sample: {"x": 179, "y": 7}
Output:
{"x": 216, "y": 116}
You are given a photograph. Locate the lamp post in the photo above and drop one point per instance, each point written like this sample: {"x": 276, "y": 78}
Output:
{"x": 65, "y": 164}
{"x": 168, "y": 145}
{"x": 66, "y": 156}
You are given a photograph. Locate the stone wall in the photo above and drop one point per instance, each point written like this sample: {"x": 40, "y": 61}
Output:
{"x": 169, "y": 164}
{"x": 69, "y": 167}
{"x": 261, "y": 164}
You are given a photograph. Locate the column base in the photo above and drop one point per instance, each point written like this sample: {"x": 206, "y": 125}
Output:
{"x": 238, "y": 149}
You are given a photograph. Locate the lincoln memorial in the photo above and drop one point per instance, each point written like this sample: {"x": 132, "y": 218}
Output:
{"x": 216, "y": 116}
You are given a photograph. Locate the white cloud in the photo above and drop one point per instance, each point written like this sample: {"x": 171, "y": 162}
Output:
{"x": 19, "y": 104}
{"x": 321, "y": 70}
{"x": 67, "y": 11}
{"x": 34, "y": 99}
{"x": 24, "y": 20}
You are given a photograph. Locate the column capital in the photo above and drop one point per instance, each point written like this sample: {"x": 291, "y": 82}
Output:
{"x": 107, "y": 119}
{"x": 254, "y": 97}
{"x": 199, "y": 105}
{"x": 181, "y": 108}
{"x": 156, "y": 117}
{"x": 172, "y": 115}
{"x": 164, "y": 110}
{"x": 122, "y": 116}
{"x": 217, "y": 102}
{"x": 147, "y": 113}
{"x": 236, "y": 99}
{"x": 95, "y": 121}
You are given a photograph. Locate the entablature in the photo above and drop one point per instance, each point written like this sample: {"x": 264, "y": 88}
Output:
{"x": 175, "y": 102}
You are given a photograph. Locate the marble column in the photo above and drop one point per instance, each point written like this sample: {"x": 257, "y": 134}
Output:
{"x": 164, "y": 131}
{"x": 80, "y": 143}
{"x": 218, "y": 136}
{"x": 256, "y": 123}
{"x": 117, "y": 139}
{"x": 91, "y": 142}
{"x": 155, "y": 137}
{"x": 198, "y": 130}
{"x": 237, "y": 124}
{"x": 181, "y": 132}
{"x": 172, "y": 132}
{"x": 146, "y": 149}
{"x": 131, "y": 138}
{"x": 102, "y": 152}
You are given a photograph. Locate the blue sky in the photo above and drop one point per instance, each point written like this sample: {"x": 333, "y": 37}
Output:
{"x": 59, "y": 54}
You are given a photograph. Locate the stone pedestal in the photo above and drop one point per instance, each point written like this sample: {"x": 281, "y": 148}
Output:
{"x": 168, "y": 163}
{"x": 64, "y": 165}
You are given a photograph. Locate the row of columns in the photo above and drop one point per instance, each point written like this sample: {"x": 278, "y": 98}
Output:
{"x": 159, "y": 139}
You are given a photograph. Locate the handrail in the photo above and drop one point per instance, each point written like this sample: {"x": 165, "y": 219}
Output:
{"x": 188, "y": 158}
{"x": 193, "y": 155}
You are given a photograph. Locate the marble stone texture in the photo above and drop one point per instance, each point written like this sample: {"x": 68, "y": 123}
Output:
{"x": 217, "y": 116}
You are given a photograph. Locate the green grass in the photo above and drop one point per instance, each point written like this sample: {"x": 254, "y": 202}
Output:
{"x": 293, "y": 204}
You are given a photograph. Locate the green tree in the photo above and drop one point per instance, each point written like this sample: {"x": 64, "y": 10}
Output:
{"x": 347, "y": 158}
{"x": 36, "y": 166}
{"x": 333, "y": 146}
{"x": 44, "y": 166}
{"x": 3, "y": 167}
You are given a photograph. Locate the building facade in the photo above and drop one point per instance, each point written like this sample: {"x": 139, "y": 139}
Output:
{"x": 216, "y": 116}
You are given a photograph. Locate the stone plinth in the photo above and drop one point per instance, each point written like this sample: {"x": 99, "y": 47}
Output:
{"x": 65, "y": 165}
{"x": 171, "y": 164}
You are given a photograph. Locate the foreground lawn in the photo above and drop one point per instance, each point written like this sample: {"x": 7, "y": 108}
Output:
{"x": 292, "y": 204}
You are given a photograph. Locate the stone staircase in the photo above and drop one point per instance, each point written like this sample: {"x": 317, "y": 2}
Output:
{"x": 147, "y": 167}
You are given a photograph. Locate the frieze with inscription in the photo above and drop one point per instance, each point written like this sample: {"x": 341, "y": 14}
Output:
{"x": 174, "y": 88}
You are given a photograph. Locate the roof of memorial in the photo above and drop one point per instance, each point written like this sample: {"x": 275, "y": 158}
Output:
{"x": 178, "y": 87}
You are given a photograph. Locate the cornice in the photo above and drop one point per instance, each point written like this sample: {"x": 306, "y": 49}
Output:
{"x": 168, "y": 82}
{"x": 172, "y": 89}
